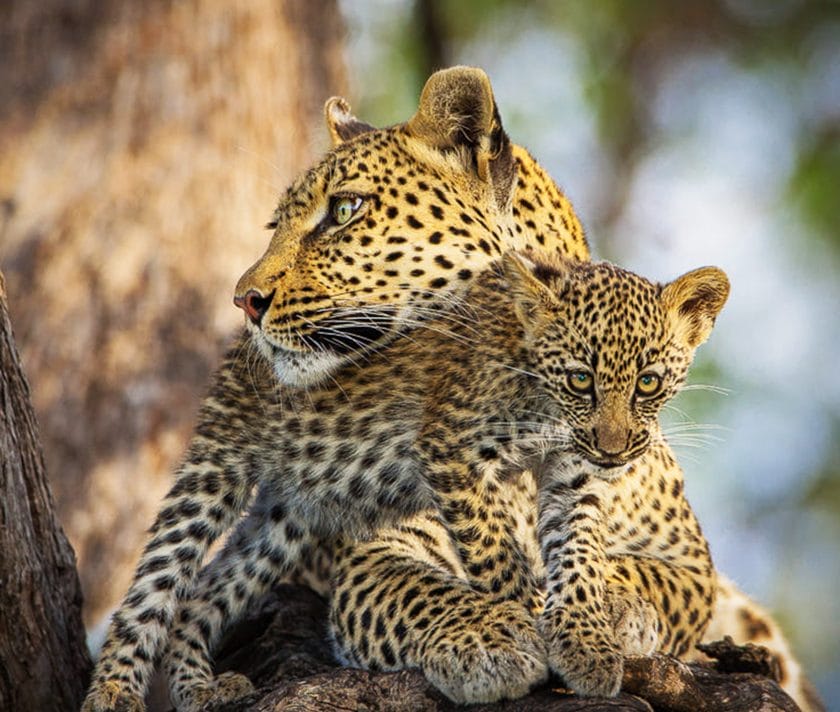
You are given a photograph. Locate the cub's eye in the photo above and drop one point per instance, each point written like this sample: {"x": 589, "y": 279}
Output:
{"x": 579, "y": 381}
{"x": 648, "y": 384}
{"x": 344, "y": 207}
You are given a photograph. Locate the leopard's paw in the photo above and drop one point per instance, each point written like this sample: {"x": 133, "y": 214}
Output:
{"x": 111, "y": 696}
{"x": 585, "y": 655}
{"x": 634, "y": 621}
{"x": 493, "y": 654}
{"x": 210, "y": 694}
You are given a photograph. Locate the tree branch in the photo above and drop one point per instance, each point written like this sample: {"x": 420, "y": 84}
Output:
{"x": 282, "y": 647}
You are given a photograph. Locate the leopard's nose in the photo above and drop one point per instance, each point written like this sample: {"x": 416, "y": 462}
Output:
{"x": 254, "y": 304}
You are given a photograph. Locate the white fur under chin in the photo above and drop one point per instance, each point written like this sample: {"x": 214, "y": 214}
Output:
{"x": 299, "y": 369}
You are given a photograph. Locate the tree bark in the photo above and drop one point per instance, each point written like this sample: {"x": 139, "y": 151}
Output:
{"x": 143, "y": 144}
{"x": 44, "y": 663}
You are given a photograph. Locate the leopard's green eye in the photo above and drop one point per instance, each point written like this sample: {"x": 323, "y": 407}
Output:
{"x": 579, "y": 382}
{"x": 648, "y": 384}
{"x": 344, "y": 207}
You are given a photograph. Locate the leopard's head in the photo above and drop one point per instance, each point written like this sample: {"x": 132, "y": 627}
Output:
{"x": 388, "y": 224}
{"x": 393, "y": 223}
{"x": 610, "y": 348}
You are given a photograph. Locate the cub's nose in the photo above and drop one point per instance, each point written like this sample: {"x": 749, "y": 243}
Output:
{"x": 254, "y": 304}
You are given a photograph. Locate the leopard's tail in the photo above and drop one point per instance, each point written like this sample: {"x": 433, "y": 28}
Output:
{"x": 741, "y": 618}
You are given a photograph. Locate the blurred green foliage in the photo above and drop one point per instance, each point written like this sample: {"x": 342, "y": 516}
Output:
{"x": 814, "y": 185}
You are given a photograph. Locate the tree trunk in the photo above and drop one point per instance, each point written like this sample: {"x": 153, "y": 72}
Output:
{"x": 143, "y": 144}
{"x": 44, "y": 663}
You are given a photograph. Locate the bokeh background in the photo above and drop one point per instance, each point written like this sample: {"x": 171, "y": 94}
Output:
{"x": 142, "y": 146}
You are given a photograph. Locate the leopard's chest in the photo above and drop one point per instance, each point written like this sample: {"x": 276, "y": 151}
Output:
{"x": 343, "y": 460}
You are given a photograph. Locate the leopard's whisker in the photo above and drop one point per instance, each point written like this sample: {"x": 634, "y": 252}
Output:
{"x": 718, "y": 390}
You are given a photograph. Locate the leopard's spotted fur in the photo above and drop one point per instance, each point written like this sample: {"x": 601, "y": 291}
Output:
{"x": 445, "y": 194}
{"x": 433, "y": 201}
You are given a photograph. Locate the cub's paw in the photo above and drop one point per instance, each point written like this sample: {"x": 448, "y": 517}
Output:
{"x": 634, "y": 620}
{"x": 111, "y": 696}
{"x": 584, "y": 656}
{"x": 208, "y": 695}
{"x": 490, "y": 654}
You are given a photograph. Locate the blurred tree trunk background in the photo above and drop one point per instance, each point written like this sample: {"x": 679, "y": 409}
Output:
{"x": 142, "y": 147}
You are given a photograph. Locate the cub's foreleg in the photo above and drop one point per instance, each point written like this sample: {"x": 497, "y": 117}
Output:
{"x": 582, "y": 645}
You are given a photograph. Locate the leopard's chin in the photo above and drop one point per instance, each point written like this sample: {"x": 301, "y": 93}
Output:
{"x": 346, "y": 338}
{"x": 611, "y": 472}
{"x": 298, "y": 368}
{"x": 301, "y": 370}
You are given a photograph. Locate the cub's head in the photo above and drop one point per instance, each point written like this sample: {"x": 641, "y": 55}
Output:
{"x": 609, "y": 347}
{"x": 382, "y": 229}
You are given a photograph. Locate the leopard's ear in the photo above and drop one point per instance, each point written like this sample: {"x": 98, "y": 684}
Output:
{"x": 693, "y": 302}
{"x": 458, "y": 112}
{"x": 533, "y": 285}
{"x": 341, "y": 123}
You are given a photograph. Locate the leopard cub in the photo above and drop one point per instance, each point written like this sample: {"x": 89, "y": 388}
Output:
{"x": 628, "y": 570}
{"x": 557, "y": 368}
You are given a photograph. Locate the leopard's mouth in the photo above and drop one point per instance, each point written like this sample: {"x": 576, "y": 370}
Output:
{"x": 312, "y": 355}
{"x": 611, "y": 462}
{"x": 350, "y": 331}
{"x": 608, "y": 463}
{"x": 611, "y": 472}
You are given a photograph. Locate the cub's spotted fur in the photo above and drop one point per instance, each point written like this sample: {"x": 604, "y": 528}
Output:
{"x": 561, "y": 371}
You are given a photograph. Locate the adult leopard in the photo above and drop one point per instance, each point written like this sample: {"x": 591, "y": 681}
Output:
{"x": 392, "y": 224}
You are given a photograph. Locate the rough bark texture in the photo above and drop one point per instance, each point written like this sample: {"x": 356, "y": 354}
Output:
{"x": 282, "y": 647}
{"x": 44, "y": 663}
{"x": 143, "y": 144}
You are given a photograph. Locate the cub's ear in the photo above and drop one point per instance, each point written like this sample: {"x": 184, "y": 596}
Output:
{"x": 693, "y": 302}
{"x": 532, "y": 285}
{"x": 457, "y": 111}
{"x": 341, "y": 123}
